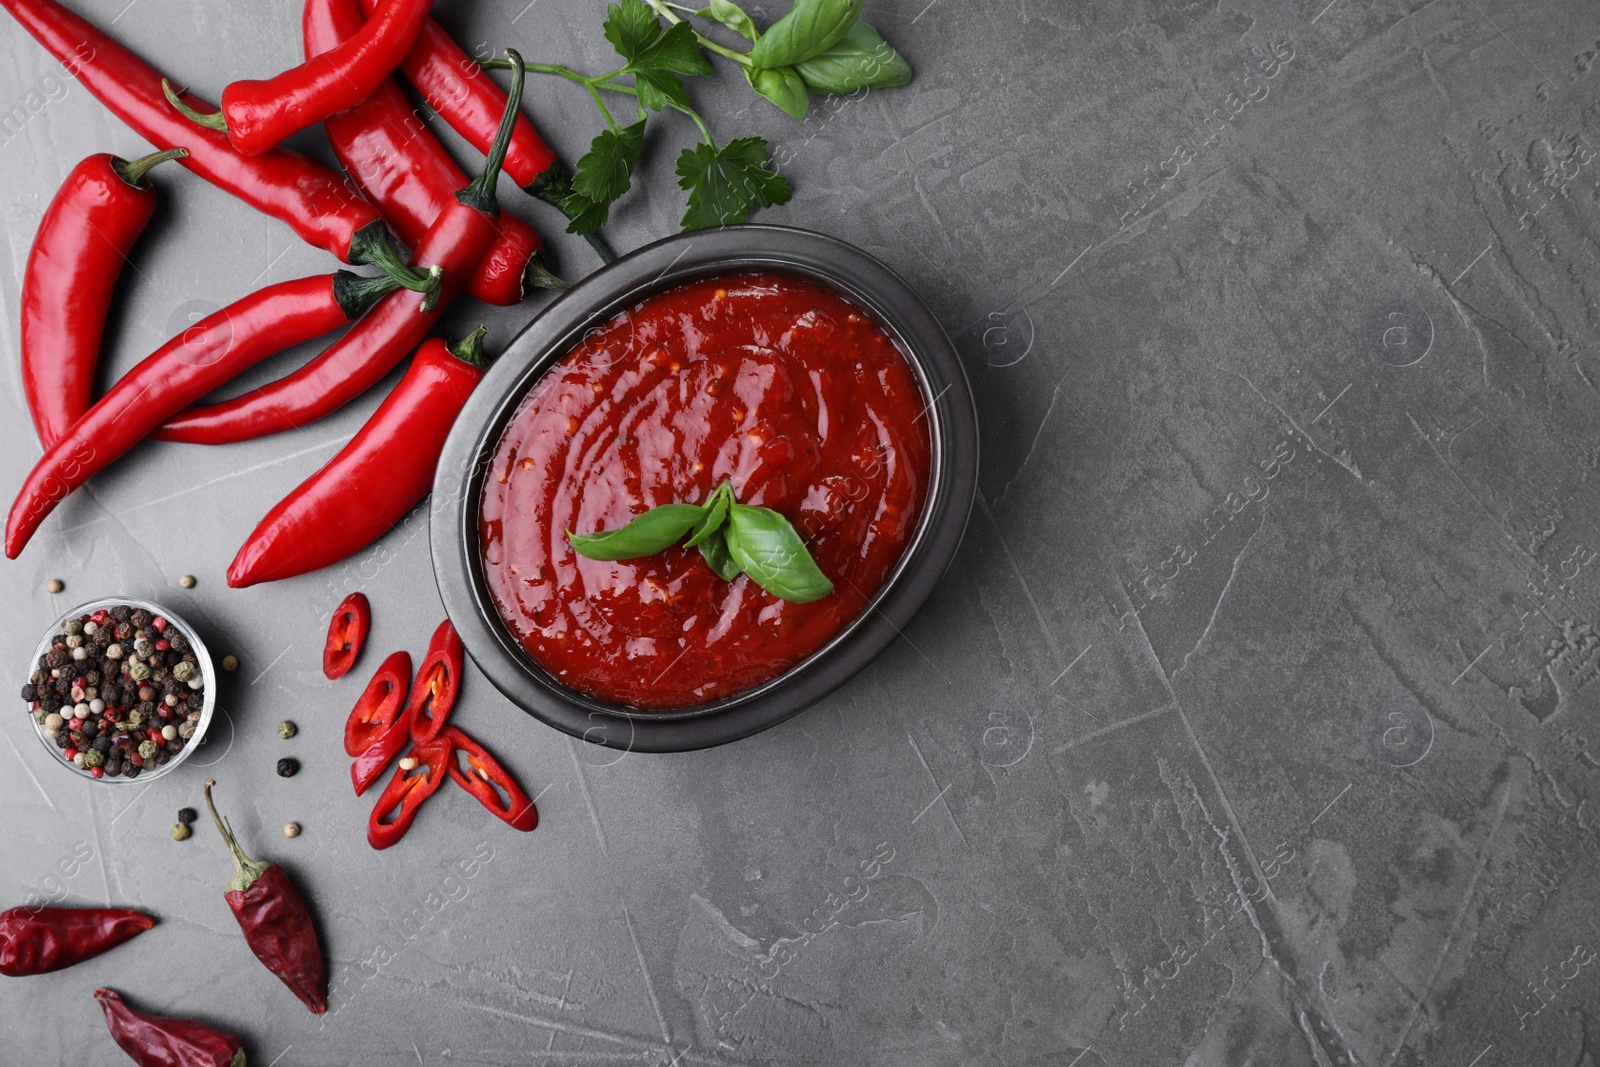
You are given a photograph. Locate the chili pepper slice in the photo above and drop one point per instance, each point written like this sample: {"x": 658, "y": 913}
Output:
{"x": 370, "y": 765}
{"x": 485, "y": 779}
{"x": 258, "y": 115}
{"x": 186, "y": 368}
{"x": 375, "y": 480}
{"x": 399, "y": 164}
{"x": 38, "y": 940}
{"x": 313, "y": 200}
{"x": 398, "y": 804}
{"x": 433, "y": 694}
{"x": 161, "y": 1041}
{"x": 379, "y": 705}
{"x": 347, "y": 632}
{"x": 277, "y": 924}
{"x": 78, "y": 253}
{"x": 364, "y": 355}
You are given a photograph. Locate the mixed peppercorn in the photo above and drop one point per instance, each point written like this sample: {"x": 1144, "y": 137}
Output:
{"x": 120, "y": 690}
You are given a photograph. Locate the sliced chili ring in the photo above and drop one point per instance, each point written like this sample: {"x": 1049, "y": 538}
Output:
{"x": 347, "y": 632}
{"x": 405, "y": 793}
{"x": 482, "y": 778}
{"x": 370, "y": 765}
{"x": 378, "y": 706}
{"x": 433, "y": 694}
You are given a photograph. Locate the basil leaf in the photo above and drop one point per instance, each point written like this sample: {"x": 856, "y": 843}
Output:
{"x": 810, "y": 27}
{"x": 714, "y": 550}
{"x": 655, "y": 531}
{"x": 732, "y": 16}
{"x": 861, "y": 59}
{"x": 769, "y": 550}
{"x": 631, "y": 27}
{"x": 782, "y": 87}
{"x": 715, "y": 513}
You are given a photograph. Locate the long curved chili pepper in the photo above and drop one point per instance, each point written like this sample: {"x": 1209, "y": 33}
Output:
{"x": 356, "y": 362}
{"x": 77, "y": 256}
{"x": 38, "y": 940}
{"x": 347, "y": 632}
{"x": 306, "y": 195}
{"x": 276, "y": 922}
{"x": 469, "y": 101}
{"x": 401, "y": 799}
{"x": 375, "y": 480}
{"x": 485, "y": 779}
{"x": 379, "y": 705}
{"x": 186, "y": 368}
{"x": 399, "y": 164}
{"x": 161, "y": 1041}
{"x": 258, "y": 115}
{"x": 438, "y": 682}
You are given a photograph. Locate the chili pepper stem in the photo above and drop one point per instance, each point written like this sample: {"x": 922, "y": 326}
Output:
{"x": 133, "y": 171}
{"x": 213, "y": 121}
{"x": 371, "y": 246}
{"x": 539, "y": 275}
{"x": 480, "y": 194}
{"x": 245, "y": 869}
{"x": 355, "y": 293}
{"x": 469, "y": 349}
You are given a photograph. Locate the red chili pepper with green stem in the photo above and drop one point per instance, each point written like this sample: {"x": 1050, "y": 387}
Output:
{"x": 403, "y": 797}
{"x": 205, "y": 356}
{"x": 347, "y": 632}
{"x": 364, "y": 355}
{"x": 306, "y": 195}
{"x": 38, "y": 940}
{"x": 276, "y": 922}
{"x": 375, "y": 480}
{"x": 160, "y": 1041}
{"x": 258, "y": 115}
{"x": 433, "y": 694}
{"x": 78, "y": 253}
{"x": 489, "y": 782}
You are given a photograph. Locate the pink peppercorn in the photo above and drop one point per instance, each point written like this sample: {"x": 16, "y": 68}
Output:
{"x": 133, "y": 758}
{"x": 75, "y": 723}
{"x": 163, "y": 644}
{"x": 96, "y": 772}
{"x": 159, "y": 623}
{"x": 70, "y": 752}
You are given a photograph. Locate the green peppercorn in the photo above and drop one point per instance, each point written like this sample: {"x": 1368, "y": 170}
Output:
{"x": 139, "y": 672}
{"x": 183, "y": 672}
{"x": 286, "y": 729}
{"x": 180, "y": 832}
{"x": 135, "y": 718}
{"x": 93, "y": 757}
{"x": 149, "y": 749}
{"x": 73, "y": 626}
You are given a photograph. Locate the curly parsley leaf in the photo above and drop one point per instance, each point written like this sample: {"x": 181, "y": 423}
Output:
{"x": 726, "y": 184}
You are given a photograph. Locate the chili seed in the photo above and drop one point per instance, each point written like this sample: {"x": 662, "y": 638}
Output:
{"x": 180, "y": 832}
{"x": 291, "y": 829}
{"x": 186, "y": 815}
{"x": 409, "y": 763}
{"x": 230, "y": 663}
{"x": 287, "y": 767}
{"x": 187, "y": 581}
{"x": 286, "y": 729}
{"x": 54, "y": 585}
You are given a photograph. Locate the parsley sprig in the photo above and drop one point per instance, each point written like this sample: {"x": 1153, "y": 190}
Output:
{"x": 820, "y": 46}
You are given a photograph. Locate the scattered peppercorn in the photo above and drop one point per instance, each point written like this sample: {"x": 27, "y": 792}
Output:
{"x": 291, "y": 829}
{"x": 186, "y": 815}
{"x": 287, "y": 767}
{"x": 230, "y": 663}
{"x": 187, "y": 581}
{"x": 181, "y": 832}
{"x": 287, "y": 729}
{"x": 54, "y": 585}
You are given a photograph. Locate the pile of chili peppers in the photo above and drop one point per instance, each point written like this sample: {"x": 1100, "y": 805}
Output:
{"x": 401, "y": 179}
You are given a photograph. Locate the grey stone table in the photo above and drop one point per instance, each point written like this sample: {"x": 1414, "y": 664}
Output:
{"x": 1253, "y": 725}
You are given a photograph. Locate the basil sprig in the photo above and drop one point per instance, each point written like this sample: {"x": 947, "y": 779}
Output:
{"x": 732, "y": 538}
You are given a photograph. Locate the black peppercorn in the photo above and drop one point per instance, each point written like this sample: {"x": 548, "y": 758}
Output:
{"x": 30, "y": 692}
{"x": 177, "y": 641}
{"x": 57, "y": 657}
{"x": 287, "y": 766}
{"x": 121, "y": 612}
{"x": 186, "y": 816}
{"x": 140, "y": 618}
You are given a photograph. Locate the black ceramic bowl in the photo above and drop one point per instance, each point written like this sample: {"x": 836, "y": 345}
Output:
{"x": 457, "y": 557}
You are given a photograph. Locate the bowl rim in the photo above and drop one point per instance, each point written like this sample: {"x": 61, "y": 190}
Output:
{"x": 202, "y": 656}
{"x": 664, "y": 264}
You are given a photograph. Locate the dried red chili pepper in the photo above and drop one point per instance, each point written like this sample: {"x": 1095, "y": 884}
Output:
{"x": 78, "y": 253}
{"x": 347, "y": 632}
{"x": 401, "y": 799}
{"x": 208, "y": 354}
{"x": 433, "y": 694}
{"x": 258, "y": 115}
{"x": 485, "y": 779}
{"x": 379, "y": 705}
{"x": 394, "y": 159}
{"x": 161, "y": 1041}
{"x": 38, "y": 940}
{"x": 364, "y": 355}
{"x": 276, "y": 922}
{"x": 375, "y": 480}
{"x": 306, "y": 195}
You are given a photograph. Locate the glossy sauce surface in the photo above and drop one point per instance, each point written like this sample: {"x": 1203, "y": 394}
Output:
{"x": 788, "y": 390}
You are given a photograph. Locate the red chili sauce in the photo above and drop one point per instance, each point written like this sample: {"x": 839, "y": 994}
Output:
{"x": 788, "y": 390}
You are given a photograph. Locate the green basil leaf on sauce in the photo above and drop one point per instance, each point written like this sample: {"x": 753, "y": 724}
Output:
{"x": 769, "y": 550}
{"x": 655, "y": 531}
{"x": 714, "y": 549}
{"x": 715, "y": 514}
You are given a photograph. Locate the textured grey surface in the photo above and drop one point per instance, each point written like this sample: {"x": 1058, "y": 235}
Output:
{"x": 1252, "y": 726}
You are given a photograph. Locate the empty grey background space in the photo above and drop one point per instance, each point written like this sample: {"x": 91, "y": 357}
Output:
{"x": 1252, "y": 726}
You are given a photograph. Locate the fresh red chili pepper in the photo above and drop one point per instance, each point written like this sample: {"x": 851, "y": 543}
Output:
{"x": 379, "y": 705}
{"x": 306, "y": 195}
{"x": 433, "y": 694}
{"x": 394, "y": 159}
{"x": 370, "y": 765}
{"x": 347, "y": 632}
{"x": 276, "y": 922}
{"x": 186, "y": 368}
{"x": 78, "y": 253}
{"x": 364, "y": 355}
{"x": 485, "y": 779}
{"x": 398, "y": 804}
{"x": 38, "y": 940}
{"x": 375, "y": 480}
{"x": 160, "y": 1041}
{"x": 258, "y": 115}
